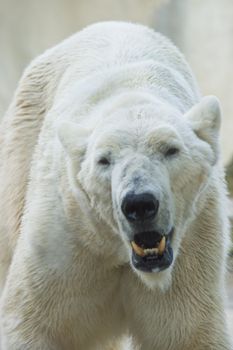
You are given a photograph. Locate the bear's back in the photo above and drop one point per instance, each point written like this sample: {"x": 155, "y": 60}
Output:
{"x": 110, "y": 44}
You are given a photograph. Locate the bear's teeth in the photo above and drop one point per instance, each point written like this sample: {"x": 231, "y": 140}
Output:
{"x": 151, "y": 251}
{"x": 142, "y": 252}
{"x": 162, "y": 245}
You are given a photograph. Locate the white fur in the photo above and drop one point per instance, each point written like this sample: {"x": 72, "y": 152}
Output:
{"x": 123, "y": 92}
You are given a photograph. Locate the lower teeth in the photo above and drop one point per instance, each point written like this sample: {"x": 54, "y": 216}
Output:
{"x": 151, "y": 251}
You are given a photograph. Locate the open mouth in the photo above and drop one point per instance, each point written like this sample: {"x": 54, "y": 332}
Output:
{"x": 151, "y": 251}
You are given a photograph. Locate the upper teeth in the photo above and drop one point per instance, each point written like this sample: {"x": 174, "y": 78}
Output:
{"x": 162, "y": 245}
{"x": 138, "y": 250}
{"x": 157, "y": 250}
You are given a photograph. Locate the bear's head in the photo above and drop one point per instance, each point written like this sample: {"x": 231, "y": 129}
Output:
{"x": 143, "y": 168}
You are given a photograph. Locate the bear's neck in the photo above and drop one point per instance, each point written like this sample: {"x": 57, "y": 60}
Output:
{"x": 203, "y": 249}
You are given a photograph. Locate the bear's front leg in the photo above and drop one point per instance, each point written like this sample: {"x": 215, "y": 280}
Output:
{"x": 35, "y": 303}
{"x": 22, "y": 324}
{"x": 211, "y": 338}
{"x": 212, "y": 335}
{"x": 50, "y": 301}
{"x": 173, "y": 319}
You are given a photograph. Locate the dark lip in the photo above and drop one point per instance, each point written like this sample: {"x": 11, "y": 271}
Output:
{"x": 150, "y": 263}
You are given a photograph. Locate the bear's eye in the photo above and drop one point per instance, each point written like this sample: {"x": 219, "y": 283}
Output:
{"x": 104, "y": 161}
{"x": 171, "y": 151}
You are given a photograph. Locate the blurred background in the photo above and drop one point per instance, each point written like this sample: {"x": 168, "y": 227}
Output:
{"x": 203, "y": 30}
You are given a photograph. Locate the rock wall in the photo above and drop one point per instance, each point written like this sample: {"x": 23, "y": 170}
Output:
{"x": 28, "y": 27}
{"x": 204, "y": 32}
{"x": 202, "y": 29}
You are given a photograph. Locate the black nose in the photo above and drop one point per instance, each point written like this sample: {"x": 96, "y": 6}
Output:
{"x": 139, "y": 207}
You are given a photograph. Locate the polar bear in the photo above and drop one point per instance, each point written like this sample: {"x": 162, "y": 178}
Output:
{"x": 113, "y": 204}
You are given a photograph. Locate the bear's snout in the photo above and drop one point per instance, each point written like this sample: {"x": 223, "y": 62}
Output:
{"x": 140, "y": 207}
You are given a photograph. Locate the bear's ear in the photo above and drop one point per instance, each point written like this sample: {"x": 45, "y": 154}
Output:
{"x": 73, "y": 137}
{"x": 205, "y": 120}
